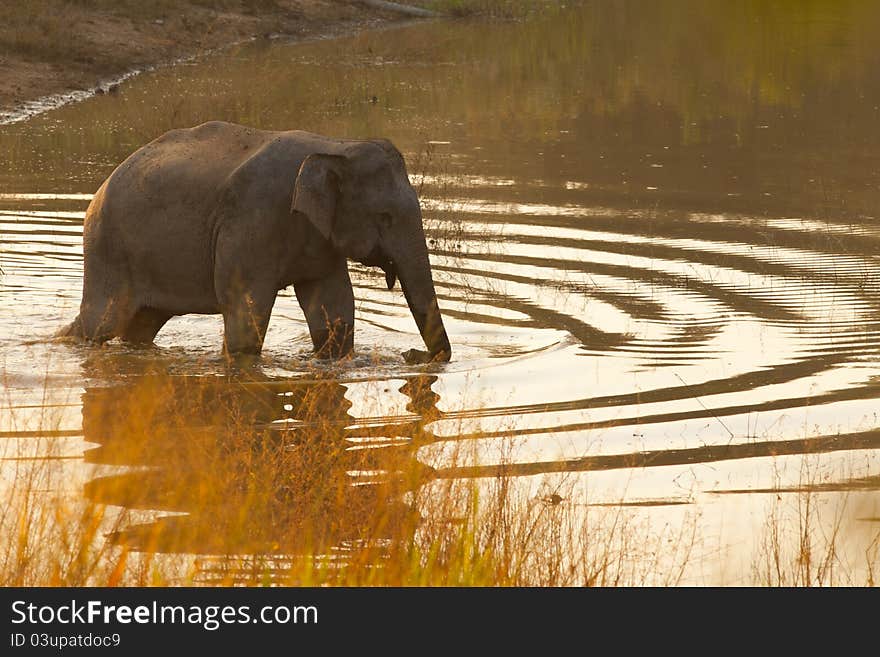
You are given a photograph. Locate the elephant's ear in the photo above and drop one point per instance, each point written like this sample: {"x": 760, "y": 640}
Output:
{"x": 317, "y": 190}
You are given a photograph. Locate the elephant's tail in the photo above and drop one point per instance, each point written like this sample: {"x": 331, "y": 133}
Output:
{"x": 72, "y": 330}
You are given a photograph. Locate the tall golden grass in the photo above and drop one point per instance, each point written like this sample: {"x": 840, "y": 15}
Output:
{"x": 193, "y": 480}
{"x": 805, "y": 539}
{"x": 248, "y": 480}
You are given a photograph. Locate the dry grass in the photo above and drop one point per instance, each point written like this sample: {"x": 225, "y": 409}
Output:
{"x": 61, "y": 30}
{"x": 807, "y": 541}
{"x": 504, "y": 9}
{"x": 193, "y": 481}
{"x": 56, "y": 30}
{"x": 53, "y": 46}
{"x": 448, "y": 231}
{"x": 247, "y": 480}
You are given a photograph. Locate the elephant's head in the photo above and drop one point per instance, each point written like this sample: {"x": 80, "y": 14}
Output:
{"x": 361, "y": 200}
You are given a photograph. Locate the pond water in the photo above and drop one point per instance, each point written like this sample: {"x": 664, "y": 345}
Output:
{"x": 655, "y": 240}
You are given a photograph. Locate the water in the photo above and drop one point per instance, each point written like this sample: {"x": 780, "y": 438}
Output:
{"x": 654, "y": 236}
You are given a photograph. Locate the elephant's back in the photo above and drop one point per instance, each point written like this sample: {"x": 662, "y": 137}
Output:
{"x": 152, "y": 217}
{"x": 183, "y": 166}
{"x": 167, "y": 190}
{"x": 154, "y": 220}
{"x": 185, "y": 171}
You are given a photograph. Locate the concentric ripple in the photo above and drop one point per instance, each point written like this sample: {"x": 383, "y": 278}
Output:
{"x": 738, "y": 335}
{"x": 579, "y": 334}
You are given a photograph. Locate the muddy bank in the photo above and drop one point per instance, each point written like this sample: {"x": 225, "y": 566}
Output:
{"x": 67, "y": 50}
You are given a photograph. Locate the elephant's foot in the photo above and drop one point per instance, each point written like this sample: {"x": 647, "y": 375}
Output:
{"x": 419, "y": 356}
{"x": 242, "y": 362}
{"x": 73, "y": 331}
{"x": 241, "y": 349}
{"x": 337, "y": 341}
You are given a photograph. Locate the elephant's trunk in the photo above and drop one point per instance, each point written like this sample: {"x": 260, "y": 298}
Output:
{"x": 418, "y": 288}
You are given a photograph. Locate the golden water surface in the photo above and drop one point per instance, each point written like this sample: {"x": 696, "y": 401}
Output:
{"x": 655, "y": 238}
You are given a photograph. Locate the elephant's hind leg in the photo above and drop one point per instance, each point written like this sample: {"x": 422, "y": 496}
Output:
{"x": 144, "y": 325}
{"x": 104, "y": 319}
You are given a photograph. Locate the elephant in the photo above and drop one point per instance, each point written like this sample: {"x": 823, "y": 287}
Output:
{"x": 219, "y": 217}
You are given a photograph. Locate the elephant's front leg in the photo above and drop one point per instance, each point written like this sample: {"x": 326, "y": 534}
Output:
{"x": 245, "y": 320}
{"x": 328, "y": 304}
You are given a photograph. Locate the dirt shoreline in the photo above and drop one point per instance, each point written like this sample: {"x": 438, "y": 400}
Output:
{"x": 53, "y": 51}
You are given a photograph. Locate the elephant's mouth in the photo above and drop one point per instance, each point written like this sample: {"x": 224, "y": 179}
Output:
{"x": 378, "y": 259}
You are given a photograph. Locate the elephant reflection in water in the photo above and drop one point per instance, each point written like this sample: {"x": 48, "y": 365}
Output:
{"x": 251, "y": 465}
